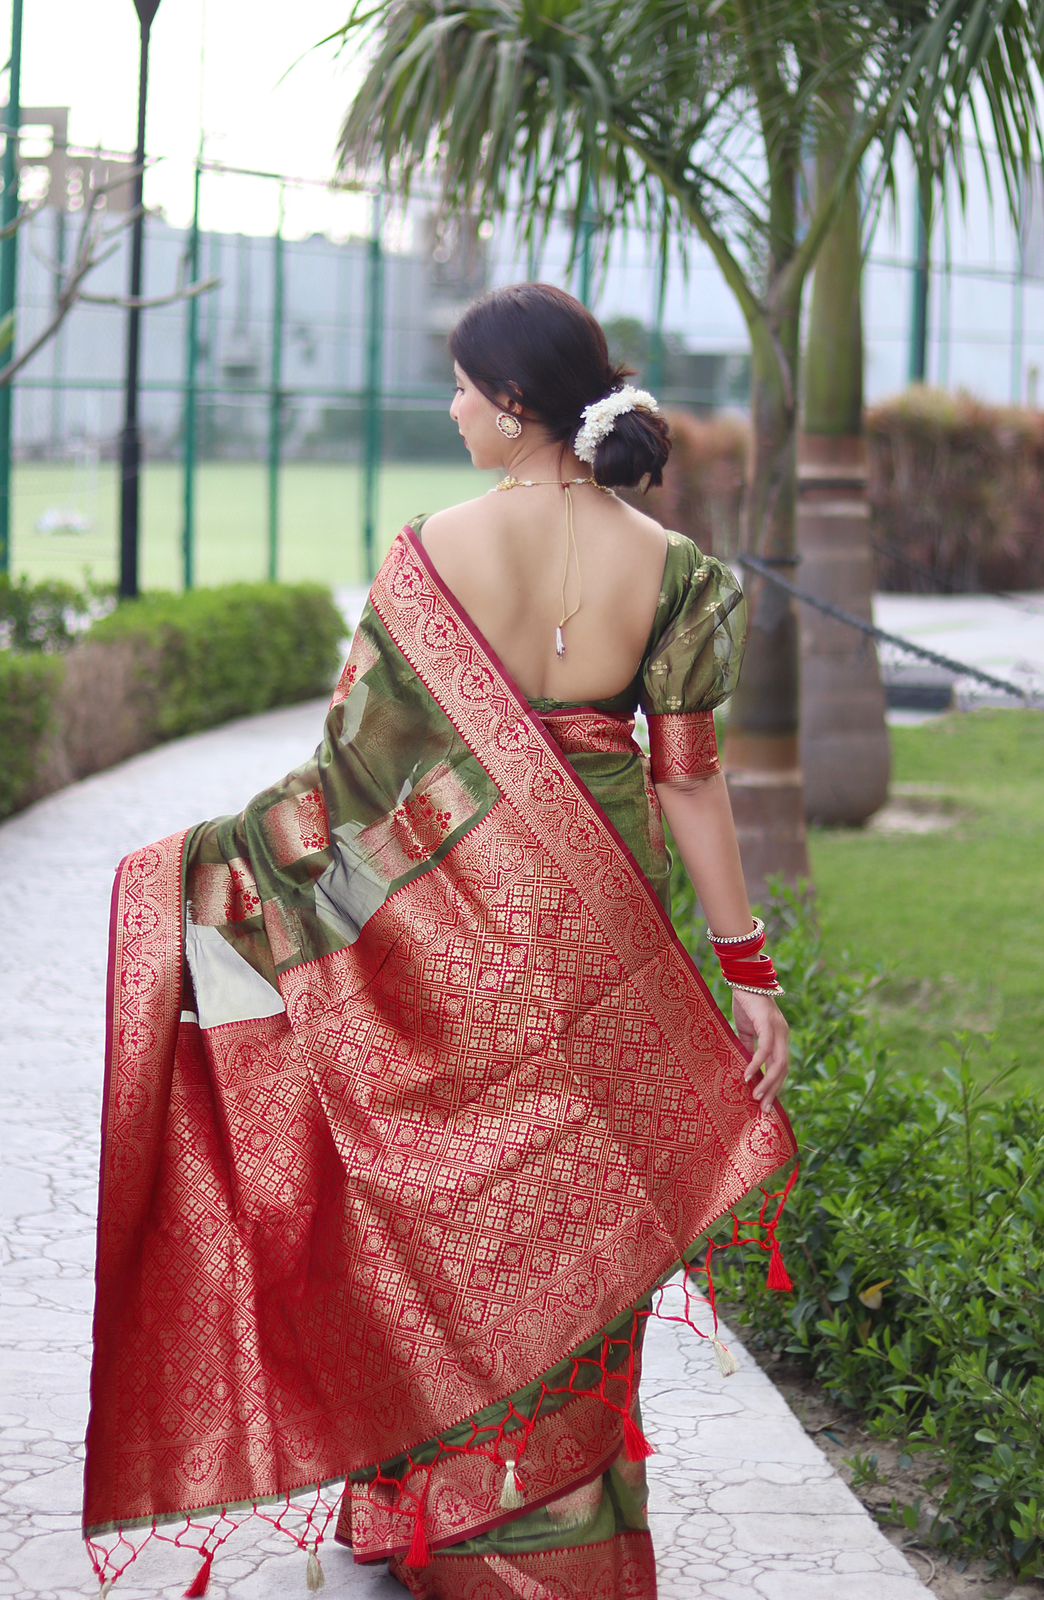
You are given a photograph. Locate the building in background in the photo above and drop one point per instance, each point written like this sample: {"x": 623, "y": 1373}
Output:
{"x": 986, "y": 317}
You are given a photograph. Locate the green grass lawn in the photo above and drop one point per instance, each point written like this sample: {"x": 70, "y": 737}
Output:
{"x": 320, "y": 519}
{"x": 954, "y": 917}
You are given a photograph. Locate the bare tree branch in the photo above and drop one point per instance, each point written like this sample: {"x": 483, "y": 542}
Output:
{"x": 182, "y": 291}
{"x": 95, "y": 244}
{"x": 25, "y": 215}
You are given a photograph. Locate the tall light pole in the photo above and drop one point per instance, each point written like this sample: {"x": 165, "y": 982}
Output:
{"x": 8, "y": 266}
{"x": 130, "y": 439}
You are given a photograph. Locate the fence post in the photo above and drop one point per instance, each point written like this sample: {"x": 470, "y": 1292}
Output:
{"x": 374, "y": 353}
{"x": 656, "y": 352}
{"x": 58, "y": 392}
{"x": 8, "y": 273}
{"x": 1017, "y": 303}
{"x": 188, "y": 532}
{"x": 209, "y": 433}
{"x": 918, "y": 367}
{"x": 275, "y": 411}
{"x": 587, "y": 227}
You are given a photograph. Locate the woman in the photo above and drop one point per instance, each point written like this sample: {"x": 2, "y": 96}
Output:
{"x": 414, "y": 1099}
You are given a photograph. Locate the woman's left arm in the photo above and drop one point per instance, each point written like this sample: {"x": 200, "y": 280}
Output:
{"x": 699, "y": 813}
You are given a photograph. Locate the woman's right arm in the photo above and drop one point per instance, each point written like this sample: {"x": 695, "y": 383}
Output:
{"x": 699, "y": 813}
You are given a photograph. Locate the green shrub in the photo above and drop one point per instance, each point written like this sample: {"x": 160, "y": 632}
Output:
{"x": 955, "y": 487}
{"x": 231, "y": 651}
{"x": 29, "y": 690}
{"x": 915, "y": 1241}
{"x": 154, "y": 669}
{"x": 48, "y": 615}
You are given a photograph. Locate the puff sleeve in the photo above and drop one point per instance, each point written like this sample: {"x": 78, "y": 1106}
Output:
{"x": 693, "y": 665}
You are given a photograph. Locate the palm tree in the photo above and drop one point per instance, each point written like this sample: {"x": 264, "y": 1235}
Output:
{"x": 844, "y": 744}
{"x": 693, "y": 116}
{"x": 845, "y": 752}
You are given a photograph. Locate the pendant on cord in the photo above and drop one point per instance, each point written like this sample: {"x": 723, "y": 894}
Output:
{"x": 559, "y": 643}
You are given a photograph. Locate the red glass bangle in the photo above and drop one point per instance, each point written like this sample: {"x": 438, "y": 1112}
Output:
{"x": 759, "y": 971}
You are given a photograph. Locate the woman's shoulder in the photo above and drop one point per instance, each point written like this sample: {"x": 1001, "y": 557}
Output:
{"x": 452, "y": 530}
{"x": 684, "y": 558}
{"x": 453, "y": 519}
{"x": 692, "y": 565}
{"x": 693, "y": 583}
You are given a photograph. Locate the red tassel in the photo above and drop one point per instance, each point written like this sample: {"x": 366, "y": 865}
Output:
{"x": 636, "y": 1445}
{"x": 778, "y": 1276}
{"x": 419, "y": 1553}
{"x": 201, "y": 1582}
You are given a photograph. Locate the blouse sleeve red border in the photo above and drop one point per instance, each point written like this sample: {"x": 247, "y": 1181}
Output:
{"x": 683, "y": 744}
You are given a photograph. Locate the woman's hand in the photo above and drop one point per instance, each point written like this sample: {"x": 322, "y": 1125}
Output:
{"x": 762, "y": 1027}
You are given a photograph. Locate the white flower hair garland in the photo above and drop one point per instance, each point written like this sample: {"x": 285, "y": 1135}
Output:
{"x": 600, "y": 416}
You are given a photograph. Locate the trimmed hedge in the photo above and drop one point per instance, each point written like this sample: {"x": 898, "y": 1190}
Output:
{"x": 958, "y": 487}
{"x": 159, "y": 668}
{"x": 229, "y": 652}
{"x": 955, "y": 488}
{"x": 48, "y": 615}
{"x": 915, "y": 1241}
{"x": 29, "y": 690}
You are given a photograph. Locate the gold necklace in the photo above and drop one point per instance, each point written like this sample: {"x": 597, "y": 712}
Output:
{"x": 528, "y": 483}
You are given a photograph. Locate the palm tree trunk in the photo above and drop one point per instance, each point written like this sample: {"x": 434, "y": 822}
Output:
{"x": 761, "y": 751}
{"x": 845, "y": 753}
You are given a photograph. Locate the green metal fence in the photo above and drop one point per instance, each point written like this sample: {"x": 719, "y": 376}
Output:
{"x": 296, "y": 414}
{"x": 258, "y": 458}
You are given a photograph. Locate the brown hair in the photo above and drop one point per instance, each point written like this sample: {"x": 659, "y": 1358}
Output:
{"x": 542, "y": 347}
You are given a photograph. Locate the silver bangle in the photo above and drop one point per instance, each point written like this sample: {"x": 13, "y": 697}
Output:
{"x": 750, "y": 988}
{"x": 738, "y": 938}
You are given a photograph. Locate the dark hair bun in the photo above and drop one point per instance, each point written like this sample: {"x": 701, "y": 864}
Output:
{"x": 639, "y": 443}
{"x": 542, "y": 346}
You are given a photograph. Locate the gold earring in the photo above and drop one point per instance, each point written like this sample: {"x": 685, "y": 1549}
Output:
{"x": 509, "y": 425}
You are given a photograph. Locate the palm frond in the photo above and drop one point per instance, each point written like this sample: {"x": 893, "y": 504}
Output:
{"x": 622, "y": 108}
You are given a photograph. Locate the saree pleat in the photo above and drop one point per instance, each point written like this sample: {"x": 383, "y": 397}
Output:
{"x": 414, "y": 1102}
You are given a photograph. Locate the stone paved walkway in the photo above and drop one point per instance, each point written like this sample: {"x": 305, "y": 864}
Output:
{"x": 1004, "y": 637}
{"x": 744, "y": 1505}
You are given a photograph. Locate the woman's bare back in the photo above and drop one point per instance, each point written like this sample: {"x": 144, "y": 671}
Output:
{"x": 502, "y": 556}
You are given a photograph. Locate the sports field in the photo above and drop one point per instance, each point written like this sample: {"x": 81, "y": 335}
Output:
{"x": 320, "y": 519}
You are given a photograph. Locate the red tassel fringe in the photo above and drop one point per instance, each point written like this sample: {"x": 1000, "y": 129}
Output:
{"x": 201, "y": 1582}
{"x": 778, "y": 1276}
{"x": 636, "y": 1445}
{"x": 110, "y": 1564}
{"x": 419, "y": 1553}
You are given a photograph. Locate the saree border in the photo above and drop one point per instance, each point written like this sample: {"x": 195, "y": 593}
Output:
{"x": 442, "y": 1539}
{"x": 682, "y": 745}
{"x": 148, "y": 883}
{"x": 623, "y": 1565}
{"x": 134, "y": 953}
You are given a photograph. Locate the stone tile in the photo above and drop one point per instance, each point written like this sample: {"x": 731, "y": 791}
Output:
{"x": 819, "y": 1497}
{"x": 832, "y": 1586}
{"x": 769, "y": 1534}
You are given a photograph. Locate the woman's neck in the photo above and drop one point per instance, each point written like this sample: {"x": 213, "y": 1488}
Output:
{"x": 541, "y": 462}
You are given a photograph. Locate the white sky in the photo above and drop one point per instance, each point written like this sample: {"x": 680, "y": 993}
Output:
{"x": 214, "y": 64}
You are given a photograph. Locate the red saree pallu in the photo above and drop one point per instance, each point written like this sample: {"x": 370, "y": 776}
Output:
{"x": 414, "y": 1104}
